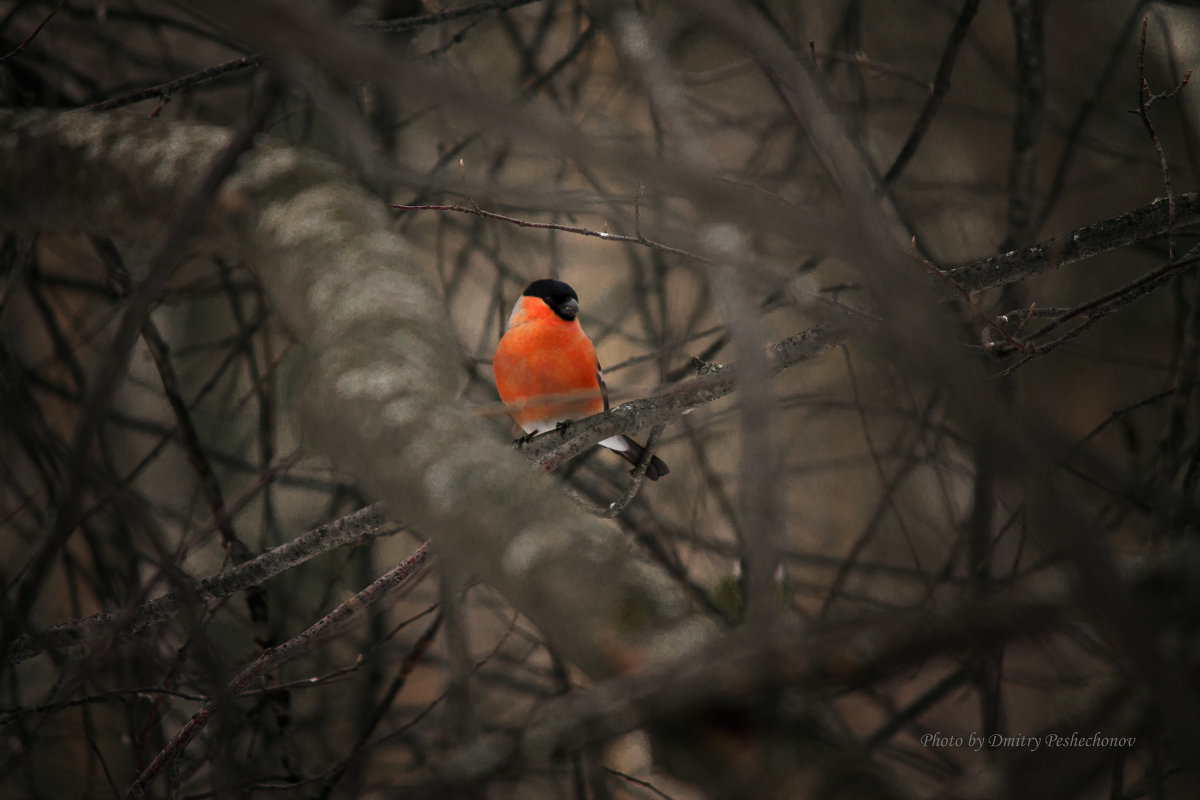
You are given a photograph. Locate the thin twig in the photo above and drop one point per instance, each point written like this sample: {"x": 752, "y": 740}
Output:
{"x": 1075, "y": 131}
{"x": 1027, "y": 16}
{"x": 29, "y": 39}
{"x": 1098, "y": 308}
{"x": 638, "y": 474}
{"x": 450, "y": 15}
{"x": 160, "y": 354}
{"x": 638, "y": 782}
{"x": 552, "y": 226}
{"x": 163, "y": 91}
{"x": 384, "y": 703}
{"x": 877, "y": 67}
{"x": 886, "y": 485}
{"x": 1147, "y": 98}
{"x": 335, "y": 621}
{"x": 941, "y": 85}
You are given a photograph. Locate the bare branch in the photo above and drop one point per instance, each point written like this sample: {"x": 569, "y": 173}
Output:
{"x": 78, "y": 638}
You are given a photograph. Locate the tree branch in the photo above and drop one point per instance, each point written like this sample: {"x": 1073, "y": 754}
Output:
{"x": 77, "y": 639}
{"x": 380, "y": 395}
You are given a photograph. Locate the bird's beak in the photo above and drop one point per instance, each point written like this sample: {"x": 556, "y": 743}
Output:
{"x": 569, "y": 308}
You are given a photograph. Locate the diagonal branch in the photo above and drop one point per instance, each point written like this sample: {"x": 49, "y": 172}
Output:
{"x": 941, "y": 85}
{"x": 76, "y": 639}
{"x": 1153, "y": 219}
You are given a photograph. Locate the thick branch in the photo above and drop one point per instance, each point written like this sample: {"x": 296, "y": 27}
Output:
{"x": 1110, "y": 234}
{"x": 380, "y": 391}
{"x": 550, "y": 449}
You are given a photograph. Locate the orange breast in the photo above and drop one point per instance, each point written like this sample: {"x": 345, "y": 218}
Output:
{"x": 546, "y": 370}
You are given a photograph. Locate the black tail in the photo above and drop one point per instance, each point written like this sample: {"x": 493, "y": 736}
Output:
{"x": 633, "y": 455}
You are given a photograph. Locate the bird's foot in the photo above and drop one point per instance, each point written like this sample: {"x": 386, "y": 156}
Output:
{"x": 562, "y": 428}
{"x": 521, "y": 441}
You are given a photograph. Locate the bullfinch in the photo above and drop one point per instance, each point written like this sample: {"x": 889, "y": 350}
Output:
{"x": 547, "y": 372}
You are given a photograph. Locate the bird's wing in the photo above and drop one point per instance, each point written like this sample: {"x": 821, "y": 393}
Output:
{"x": 603, "y": 386}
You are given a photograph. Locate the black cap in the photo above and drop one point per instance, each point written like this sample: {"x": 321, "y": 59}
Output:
{"x": 558, "y": 295}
